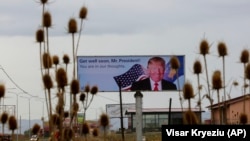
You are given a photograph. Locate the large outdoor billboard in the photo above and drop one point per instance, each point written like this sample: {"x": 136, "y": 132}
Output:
{"x": 110, "y": 72}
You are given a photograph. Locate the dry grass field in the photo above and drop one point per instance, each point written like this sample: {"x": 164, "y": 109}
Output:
{"x": 149, "y": 136}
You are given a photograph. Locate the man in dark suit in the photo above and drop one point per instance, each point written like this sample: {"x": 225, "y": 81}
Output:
{"x": 155, "y": 81}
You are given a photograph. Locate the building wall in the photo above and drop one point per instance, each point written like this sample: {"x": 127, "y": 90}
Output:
{"x": 233, "y": 112}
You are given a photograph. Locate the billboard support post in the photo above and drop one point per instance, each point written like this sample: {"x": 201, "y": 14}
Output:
{"x": 121, "y": 112}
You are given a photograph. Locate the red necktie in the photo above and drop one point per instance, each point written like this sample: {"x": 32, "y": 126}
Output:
{"x": 156, "y": 87}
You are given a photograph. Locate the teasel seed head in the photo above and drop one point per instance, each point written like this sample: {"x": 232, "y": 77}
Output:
{"x": 175, "y": 64}
{"x": 39, "y": 36}
{"x": 235, "y": 83}
{"x": 47, "y": 21}
{"x": 247, "y": 71}
{"x": 95, "y": 132}
{"x": 72, "y": 26}
{"x": 12, "y": 123}
{"x": 2, "y": 90}
{"x": 66, "y": 114}
{"x": 190, "y": 118}
{"x": 87, "y": 88}
{"x": 85, "y": 128}
{"x": 82, "y": 97}
{"x": 243, "y": 118}
{"x": 61, "y": 78}
{"x": 188, "y": 91}
{"x": 75, "y": 87}
{"x": 55, "y": 119}
{"x": 43, "y": 1}
{"x": 75, "y": 107}
{"x": 71, "y": 133}
{"x": 244, "y": 58}
{"x": 199, "y": 103}
{"x": 204, "y": 47}
{"x": 222, "y": 49}
{"x": 55, "y": 60}
{"x": 47, "y": 61}
{"x": 68, "y": 133}
{"x": 36, "y": 128}
{"x": 197, "y": 67}
{"x": 65, "y": 59}
{"x": 94, "y": 90}
{"x": 47, "y": 81}
{"x": 104, "y": 120}
{"x": 83, "y": 12}
{"x": 216, "y": 80}
{"x": 4, "y": 117}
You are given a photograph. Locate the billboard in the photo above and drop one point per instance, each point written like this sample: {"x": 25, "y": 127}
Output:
{"x": 110, "y": 73}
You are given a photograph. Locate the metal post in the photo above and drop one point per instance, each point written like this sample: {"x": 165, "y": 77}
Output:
{"x": 169, "y": 111}
{"x": 121, "y": 112}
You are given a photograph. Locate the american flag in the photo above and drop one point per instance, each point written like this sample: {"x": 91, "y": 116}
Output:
{"x": 135, "y": 73}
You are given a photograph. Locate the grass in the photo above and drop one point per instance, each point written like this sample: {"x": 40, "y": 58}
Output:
{"x": 149, "y": 136}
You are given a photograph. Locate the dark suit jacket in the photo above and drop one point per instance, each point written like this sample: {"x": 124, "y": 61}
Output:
{"x": 145, "y": 85}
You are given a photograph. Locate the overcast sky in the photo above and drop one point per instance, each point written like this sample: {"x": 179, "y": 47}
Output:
{"x": 113, "y": 27}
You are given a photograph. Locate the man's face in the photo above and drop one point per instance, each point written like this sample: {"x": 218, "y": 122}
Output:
{"x": 156, "y": 71}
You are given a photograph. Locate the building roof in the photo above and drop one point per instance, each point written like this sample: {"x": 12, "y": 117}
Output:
{"x": 230, "y": 101}
{"x": 161, "y": 110}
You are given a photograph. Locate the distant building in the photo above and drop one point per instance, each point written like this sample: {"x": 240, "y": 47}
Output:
{"x": 230, "y": 110}
{"x": 154, "y": 118}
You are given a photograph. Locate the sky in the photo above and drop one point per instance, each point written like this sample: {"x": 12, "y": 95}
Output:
{"x": 112, "y": 27}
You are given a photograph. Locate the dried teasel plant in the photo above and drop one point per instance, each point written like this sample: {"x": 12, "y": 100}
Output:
{"x": 47, "y": 23}
{"x": 243, "y": 118}
{"x": 197, "y": 69}
{"x": 247, "y": 73}
{"x": 12, "y": 125}
{"x": 47, "y": 61}
{"x": 66, "y": 60}
{"x": 217, "y": 85}
{"x": 72, "y": 29}
{"x": 75, "y": 87}
{"x": 4, "y": 119}
{"x": 204, "y": 51}
{"x": 40, "y": 40}
{"x": 188, "y": 93}
{"x": 2, "y": 91}
{"x": 74, "y": 90}
{"x": 43, "y": 1}
{"x": 244, "y": 59}
{"x": 61, "y": 79}
{"x": 175, "y": 64}
{"x": 48, "y": 84}
{"x": 68, "y": 134}
{"x": 85, "y": 129}
{"x": 87, "y": 92}
{"x": 190, "y": 118}
{"x": 56, "y": 61}
{"x": 104, "y": 122}
{"x": 82, "y": 15}
{"x": 95, "y": 132}
{"x": 35, "y": 129}
{"x": 222, "y": 51}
